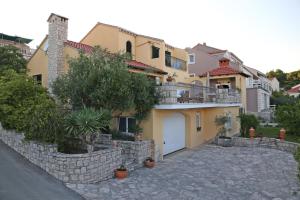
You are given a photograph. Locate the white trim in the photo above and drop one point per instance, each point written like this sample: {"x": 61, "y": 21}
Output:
{"x": 195, "y": 105}
{"x": 192, "y": 54}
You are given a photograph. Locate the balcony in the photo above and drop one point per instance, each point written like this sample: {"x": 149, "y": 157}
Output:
{"x": 182, "y": 93}
{"x": 175, "y": 63}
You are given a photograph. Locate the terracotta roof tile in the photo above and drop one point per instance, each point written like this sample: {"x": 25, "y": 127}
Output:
{"x": 143, "y": 66}
{"x": 294, "y": 89}
{"x": 86, "y": 48}
{"x": 221, "y": 71}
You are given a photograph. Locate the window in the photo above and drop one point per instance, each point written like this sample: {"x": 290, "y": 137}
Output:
{"x": 192, "y": 58}
{"x": 38, "y": 78}
{"x": 228, "y": 124}
{"x": 128, "y": 47}
{"x": 168, "y": 58}
{"x": 127, "y": 124}
{"x": 155, "y": 52}
{"x": 198, "y": 122}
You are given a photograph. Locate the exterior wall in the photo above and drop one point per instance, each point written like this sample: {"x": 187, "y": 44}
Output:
{"x": 261, "y": 104}
{"x": 105, "y": 36}
{"x": 275, "y": 85}
{"x": 24, "y": 48}
{"x": 38, "y": 64}
{"x": 69, "y": 53}
{"x": 123, "y": 38}
{"x": 251, "y": 100}
{"x": 69, "y": 168}
{"x": 153, "y": 127}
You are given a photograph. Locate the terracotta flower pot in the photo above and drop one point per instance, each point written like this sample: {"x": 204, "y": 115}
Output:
{"x": 282, "y": 134}
{"x": 121, "y": 174}
{"x": 149, "y": 163}
{"x": 252, "y": 133}
{"x": 169, "y": 79}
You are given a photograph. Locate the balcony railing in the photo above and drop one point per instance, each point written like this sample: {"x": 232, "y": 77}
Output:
{"x": 175, "y": 63}
{"x": 176, "y": 93}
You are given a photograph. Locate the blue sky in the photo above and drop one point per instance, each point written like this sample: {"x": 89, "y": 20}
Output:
{"x": 265, "y": 34}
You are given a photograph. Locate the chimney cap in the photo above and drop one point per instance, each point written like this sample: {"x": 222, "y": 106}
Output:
{"x": 53, "y": 14}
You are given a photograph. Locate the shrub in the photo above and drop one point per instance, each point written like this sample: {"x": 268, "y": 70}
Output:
{"x": 297, "y": 158}
{"x": 117, "y": 135}
{"x": 288, "y": 116}
{"x": 247, "y": 121}
{"x": 11, "y": 58}
{"x": 26, "y": 107}
{"x": 86, "y": 123}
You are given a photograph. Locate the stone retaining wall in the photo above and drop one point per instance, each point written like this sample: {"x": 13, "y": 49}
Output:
{"x": 135, "y": 153}
{"x": 70, "y": 168}
{"x": 265, "y": 142}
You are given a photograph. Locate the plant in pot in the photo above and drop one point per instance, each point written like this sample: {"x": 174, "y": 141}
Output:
{"x": 121, "y": 172}
{"x": 86, "y": 123}
{"x": 222, "y": 138}
{"x": 171, "y": 78}
{"x": 149, "y": 162}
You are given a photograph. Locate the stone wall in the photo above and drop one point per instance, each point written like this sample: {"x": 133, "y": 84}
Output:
{"x": 264, "y": 142}
{"x": 70, "y": 168}
{"x": 134, "y": 153}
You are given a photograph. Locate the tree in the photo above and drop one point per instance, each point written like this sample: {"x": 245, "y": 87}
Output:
{"x": 288, "y": 116}
{"x": 102, "y": 80}
{"x": 248, "y": 121}
{"x": 11, "y": 58}
{"x": 26, "y": 107}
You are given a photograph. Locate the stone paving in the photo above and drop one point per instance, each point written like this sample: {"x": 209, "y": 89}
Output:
{"x": 207, "y": 173}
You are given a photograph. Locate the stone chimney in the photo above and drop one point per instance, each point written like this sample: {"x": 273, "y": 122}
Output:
{"x": 224, "y": 63}
{"x": 58, "y": 34}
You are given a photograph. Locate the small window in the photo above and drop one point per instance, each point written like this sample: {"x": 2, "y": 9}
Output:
{"x": 155, "y": 52}
{"x": 127, "y": 124}
{"x": 128, "y": 47}
{"x": 228, "y": 124}
{"x": 192, "y": 58}
{"x": 168, "y": 58}
{"x": 198, "y": 122}
{"x": 38, "y": 78}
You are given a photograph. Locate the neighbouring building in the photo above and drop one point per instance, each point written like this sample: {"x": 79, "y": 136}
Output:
{"x": 219, "y": 69}
{"x": 19, "y": 42}
{"x": 274, "y": 84}
{"x": 294, "y": 91}
{"x": 185, "y": 116}
{"x": 259, "y": 91}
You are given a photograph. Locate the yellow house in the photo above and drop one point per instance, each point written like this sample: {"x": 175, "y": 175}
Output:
{"x": 185, "y": 117}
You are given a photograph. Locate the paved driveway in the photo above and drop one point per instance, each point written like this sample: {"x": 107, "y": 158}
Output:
{"x": 208, "y": 173}
{"x": 21, "y": 180}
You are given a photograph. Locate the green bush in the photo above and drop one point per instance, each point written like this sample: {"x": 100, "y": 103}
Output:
{"x": 297, "y": 158}
{"x": 26, "y": 107}
{"x": 117, "y": 135}
{"x": 247, "y": 121}
{"x": 86, "y": 123}
{"x": 11, "y": 58}
{"x": 288, "y": 116}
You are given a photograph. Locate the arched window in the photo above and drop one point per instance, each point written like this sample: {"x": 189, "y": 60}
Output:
{"x": 128, "y": 47}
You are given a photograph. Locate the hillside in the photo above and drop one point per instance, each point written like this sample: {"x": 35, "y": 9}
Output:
{"x": 286, "y": 80}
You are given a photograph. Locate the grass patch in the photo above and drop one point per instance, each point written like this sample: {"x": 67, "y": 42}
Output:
{"x": 273, "y": 132}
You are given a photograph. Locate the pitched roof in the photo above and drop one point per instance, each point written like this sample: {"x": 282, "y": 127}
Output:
{"x": 86, "y": 48}
{"x": 223, "y": 71}
{"x": 15, "y": 38}
{"x": 143, "y": 66}
{"x": 294, "y": 89}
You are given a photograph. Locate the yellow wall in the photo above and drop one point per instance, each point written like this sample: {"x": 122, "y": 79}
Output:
{"x": 38, "y": 64}
{"x": 105, "y": 36}
{"x": 153, "y": 126}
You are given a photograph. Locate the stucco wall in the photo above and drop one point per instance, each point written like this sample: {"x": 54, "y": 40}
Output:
{"x": 252, "y": 100}
{"x": 153, "y": 127}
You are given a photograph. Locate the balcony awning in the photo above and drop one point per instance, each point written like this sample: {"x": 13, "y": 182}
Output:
{"x": 144, "y": 67}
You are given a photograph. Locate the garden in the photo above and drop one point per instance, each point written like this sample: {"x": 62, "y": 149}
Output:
{"x": 97, "y": 89}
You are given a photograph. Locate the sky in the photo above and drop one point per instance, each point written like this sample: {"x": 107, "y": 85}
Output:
{"x": 264, "y": 34}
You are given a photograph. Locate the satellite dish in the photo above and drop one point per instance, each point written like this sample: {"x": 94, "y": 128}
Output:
{"x": 46, "y": 46}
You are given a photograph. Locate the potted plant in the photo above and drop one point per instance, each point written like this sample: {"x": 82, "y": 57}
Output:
{"x": 171, "y": 78}
{"x": 121, "y": 172}
{"x": 222, "y": 138}
{"x": 149, "y": 162}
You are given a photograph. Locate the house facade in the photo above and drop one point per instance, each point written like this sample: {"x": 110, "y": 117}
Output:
{"x": 185, "y": 116}
{"x": 219, "y": 69}
{"x": 18, "y": 42}
{"x": 275, "y": 85}
{"x": 294, "y": 91}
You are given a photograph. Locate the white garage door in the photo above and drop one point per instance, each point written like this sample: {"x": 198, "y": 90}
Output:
{"x": 174, "y": 133}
